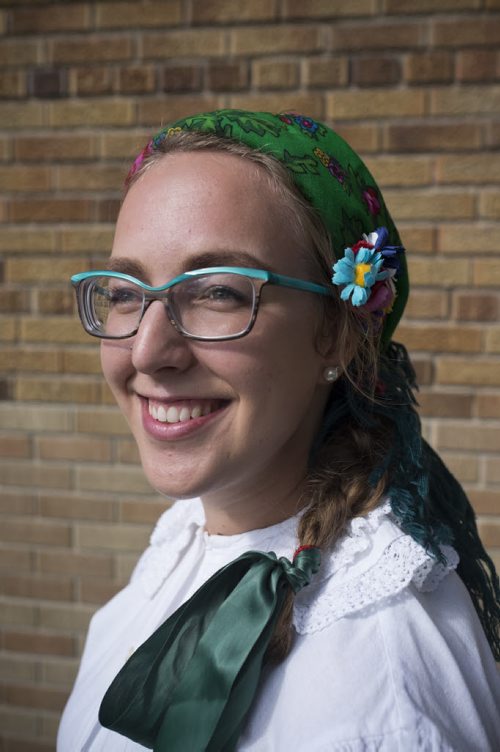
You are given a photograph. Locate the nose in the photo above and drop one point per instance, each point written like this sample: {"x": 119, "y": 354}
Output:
{"x": 158, "y": 344}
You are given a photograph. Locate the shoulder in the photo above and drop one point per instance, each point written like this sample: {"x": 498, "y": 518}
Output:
{"x": 373, "y": 563}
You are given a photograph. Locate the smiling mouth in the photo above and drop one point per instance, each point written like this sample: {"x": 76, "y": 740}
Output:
{"x": 183, "y": 412}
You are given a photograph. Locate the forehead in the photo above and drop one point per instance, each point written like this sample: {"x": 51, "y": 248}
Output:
{"x": 202, "y": 203}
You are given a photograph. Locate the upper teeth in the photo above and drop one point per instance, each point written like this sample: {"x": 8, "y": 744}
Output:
{"x": 174, "y": 414}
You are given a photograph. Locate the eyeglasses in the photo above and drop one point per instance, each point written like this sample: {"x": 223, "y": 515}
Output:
{"x": 217, "y": 303}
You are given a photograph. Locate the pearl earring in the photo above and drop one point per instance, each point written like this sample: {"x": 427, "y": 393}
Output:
{"x": 331, "y": 374}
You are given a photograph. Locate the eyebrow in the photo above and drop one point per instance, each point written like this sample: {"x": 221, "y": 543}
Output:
{"x": 197, "y": 261}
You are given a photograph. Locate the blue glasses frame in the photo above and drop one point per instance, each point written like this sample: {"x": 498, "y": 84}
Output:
{"x": 84, "y": 282}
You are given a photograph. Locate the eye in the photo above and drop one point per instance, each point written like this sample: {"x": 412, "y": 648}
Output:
{"x": 123, "y": 298}
{"x": 223, "y": 294}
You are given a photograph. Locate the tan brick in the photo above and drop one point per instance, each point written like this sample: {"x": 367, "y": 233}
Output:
{"x": 493, "y": 340}
{"x": 439, "y": 205}
{"x": 417, "y": 238}
{"x": 488, "y": 404}
{"x": 427, "y": 304}
{"x": 480, "y": 168}
{"x": 60, "y": 672}
{"x": 14, "y": 301}
{"x": 484, "y": 502}
{"x": 255, "y": 40}
{"x": 73, "y": 448}
{"x": 76, "y": 17}
{"x": 23, "y": 473}
{"x": 91, "y": 112}
{"x": 17, "y": 178}
{"x": 92, "y": 178}
{"x": 18, "y": 722}
{"x": 12, "y": 84}
{"x": 57, "y": 390}
{"x": 464, "y": 467}
{"x": 99, "y": 421}
{"x": 156, "y": 111}
{"x": 138, "y": 14}
{"x": 489, "y": 204}
{"x": 125, "y": 565}
{"x": 8, "y": 329}
{"x": 328, "y": 8}
{"x": 16, "y": 667}
{"x": 14, "y": 445}
{"x": 15, "y": 560}
{"x": 392, "y": 171}
{"x": 309, "y": 103}
{"x": 60, "y": 148}
{"x": 428, "y": 6}
{"x": 438, "y": 271}
{"x": 100, "y": 48}
{"x": 35, "y": 417}
{"x": 92, "y": 239}
{"x": 226, "y": 11}
{"x": 34, "y": 359}
{"x": 274, "y": 73}
{"x": 98, "y": 80}
{"x": 123, "y": 145}
{"x": 49, "y": 210}
{"x": 81, "y": 360}
{"x": 462, "y": 371}
{"x": 36, "y": 531}
{"x": 17, "y": 503}
{"x": 98, "y": 592}
{"x": 466, "y": 436}
{"x": 183, "y": 78}
{"x": 389, "y": 35}
{"x": 14, "y": 116}
{"x": 432, "y": 137}
{"x": 57, "y": 301}
{"x": 361, "y": 136}
{"x": 441, "y": 338}
{"x": 460, "y": 31}
{"x": 34, "y": 697}
{"x": 490, "y": 533}
{"x": 375, "y": 103}
{"x": 424, "y": 369}
{"x": 120, "y": 479}
{"x": 34, "y": 269}
{"x": 182, "y": 43}
{"x": 486, "y": 273}
{"x": 146, "y": 512}
{"x": 20, "y": 52}
{"x": 115, "y": 537}
{"x": 465, "y": 100}
{"x": 139, "y": 79}
{"x": 493, "y": 469}
{"x": 60, "y": 329}
{"x": 325, "y": 72}
{"x": 441, "y": 404}
{"x": 471, "y": 306}
{"x": 52, "y": 589}
{"x": 127, "y": 452}
{"x": 429, "y": 67}
{"x": 468, "y": 238}
{"x": 76, "y": 507}
{"x": 71, "y": 562}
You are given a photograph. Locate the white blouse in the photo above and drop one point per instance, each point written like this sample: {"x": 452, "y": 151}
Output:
{"x": 388, "y": 654}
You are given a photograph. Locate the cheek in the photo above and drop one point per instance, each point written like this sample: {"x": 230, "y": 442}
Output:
{"x": 115, "y": 361}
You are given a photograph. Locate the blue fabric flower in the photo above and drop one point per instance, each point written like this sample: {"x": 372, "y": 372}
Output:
{"x": 358, "y": 273}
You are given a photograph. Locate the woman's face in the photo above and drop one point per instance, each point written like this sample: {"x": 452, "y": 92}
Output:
{"x": 246, "y": 410}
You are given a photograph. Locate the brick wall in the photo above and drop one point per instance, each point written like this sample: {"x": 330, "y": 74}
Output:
{"x": 414, "y": 85}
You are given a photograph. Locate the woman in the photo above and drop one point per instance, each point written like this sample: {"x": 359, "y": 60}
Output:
{"x": 264, "y": 392}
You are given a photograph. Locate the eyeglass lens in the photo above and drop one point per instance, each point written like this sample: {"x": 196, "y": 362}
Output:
{"x": 209, "y": 305}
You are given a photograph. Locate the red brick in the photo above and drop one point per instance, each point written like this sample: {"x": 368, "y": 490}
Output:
{"x": 461, "y": 31}
{"x": 49, "y": 588}
{"x": 445, "y": 404}
{"x": 98, "y": 592}
{"x": 429, "y": 67}
{"x": 470, "y": 306}
{"x": 142, "y": 512}
{"x": 484, "y": 501}
{"x": 375, "y": 71}
{"x": 178, "y": 78}
{"x": 50, "y": 83}
{"x": 227, "y": 76}
{"x": 76, "y": 17}
{"x": 432, "y": 137}
{"x": 17, "y": 503}
{"x": 363, "y": 36}
{"x": 34, "y": 642}
{"x": 13, "y": 445}
{"x": 80, "y": 448}
{"x": 477, "y": 65}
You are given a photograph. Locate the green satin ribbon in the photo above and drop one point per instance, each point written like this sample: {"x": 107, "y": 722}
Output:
{"x": 191, "y": 684}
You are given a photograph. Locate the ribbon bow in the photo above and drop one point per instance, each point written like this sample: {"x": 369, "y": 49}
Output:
{"x": 191, "y": 684}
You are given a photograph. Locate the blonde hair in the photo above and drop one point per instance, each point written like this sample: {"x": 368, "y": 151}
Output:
{"x": 339, "y": 485}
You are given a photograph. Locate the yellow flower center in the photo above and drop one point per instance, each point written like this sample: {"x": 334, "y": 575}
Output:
{"x": 361, "y": 270}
